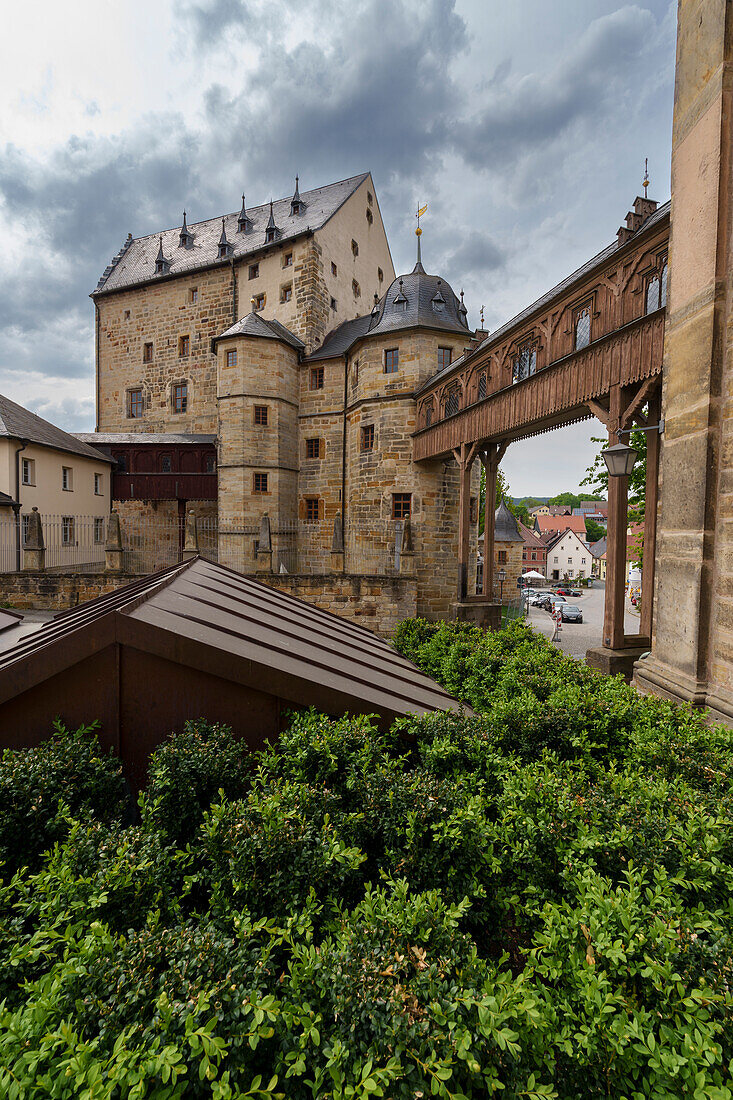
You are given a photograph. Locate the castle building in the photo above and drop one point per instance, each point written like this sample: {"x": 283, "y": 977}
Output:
{"x": 282, "y": 334}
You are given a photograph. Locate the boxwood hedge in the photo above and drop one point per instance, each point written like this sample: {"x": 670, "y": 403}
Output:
{"x": 530, "y": 899}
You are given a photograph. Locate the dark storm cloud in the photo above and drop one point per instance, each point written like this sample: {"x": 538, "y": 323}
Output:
{"x": 522, "y": 115}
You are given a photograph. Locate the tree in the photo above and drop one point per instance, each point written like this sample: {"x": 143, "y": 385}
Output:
{"x": 519, "y": 511}
{"x": 593, "y": 530}
{"x": 597, "y": 478}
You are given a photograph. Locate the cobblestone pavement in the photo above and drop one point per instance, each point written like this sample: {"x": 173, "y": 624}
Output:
{"x": 576, "y": 638}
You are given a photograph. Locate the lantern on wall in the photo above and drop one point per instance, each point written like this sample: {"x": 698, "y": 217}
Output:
{"x": 620, "y": 459}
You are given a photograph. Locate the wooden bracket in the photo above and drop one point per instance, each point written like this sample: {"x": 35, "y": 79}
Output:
{"x": 599, "y": 411}
{"x": 645, "y": 391}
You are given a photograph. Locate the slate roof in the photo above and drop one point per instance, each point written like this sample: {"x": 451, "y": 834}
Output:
{"x": 565, "y": 284}
{"x": 103, "y": 438}
{"x": 253, "y": 634}
{"x": 256, "y": 325}
{"x": 135, "y": 262}
{"x": 18, "y": 423}
{"x": 598, "y": 549}
{"x": 505, "y": 525}
{"x": 419, "y": 290}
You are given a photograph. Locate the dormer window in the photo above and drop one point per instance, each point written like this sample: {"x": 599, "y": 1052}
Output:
{"x": 271, "y": 230}
{"x": 438, "y": 303}
{"x": 225, "y": 249}
{"x": 162, "y": 265}
{"x": 400, "y": 301}
{"x": 297, "y": 206}
{"x": 244, "y": 222}
{"x": 185, "y": 239}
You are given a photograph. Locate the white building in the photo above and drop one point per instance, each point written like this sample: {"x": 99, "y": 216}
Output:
{"x": 568, "y": 556}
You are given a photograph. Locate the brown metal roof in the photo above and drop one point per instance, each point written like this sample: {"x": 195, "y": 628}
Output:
{"x": 210, "y": 617}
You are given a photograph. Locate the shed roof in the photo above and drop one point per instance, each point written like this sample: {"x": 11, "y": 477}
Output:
{"x": 135, "y": 262}
{"x": 253, "y": 635}
{"x": 18, "y": 423}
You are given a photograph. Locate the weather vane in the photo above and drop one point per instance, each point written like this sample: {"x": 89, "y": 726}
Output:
{"x": 420, "y": 211}
{"x": 482, "y": 317}
{"x": 646, "y": 175}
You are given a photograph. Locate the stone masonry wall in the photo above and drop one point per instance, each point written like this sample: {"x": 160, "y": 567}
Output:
{"x": 58, "y": 591}
{"x": 378, "y": 603}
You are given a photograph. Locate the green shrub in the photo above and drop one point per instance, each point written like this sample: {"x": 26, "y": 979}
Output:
{"x": 65, "y": 775}
{"x": 187, "y": 772}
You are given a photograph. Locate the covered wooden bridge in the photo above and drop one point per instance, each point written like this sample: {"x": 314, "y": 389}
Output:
{"x": 591, "y": 346}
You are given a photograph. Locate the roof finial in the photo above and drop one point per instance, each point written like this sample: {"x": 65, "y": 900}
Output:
{"x": 646, "y": 175}
{"x": 271, "y": 230}
{"x": 482, "y": 313}
{"x": 297, "y": 206}
{"x": 162, "y": 264}
{"x": 243, "y": 221}
{"x": 185, "y": 239}
{"x": 418, "y": 233}
{"x": 224, "y": 247}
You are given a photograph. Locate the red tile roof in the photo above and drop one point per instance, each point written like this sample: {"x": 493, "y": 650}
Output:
{"x": 554, "y": 524}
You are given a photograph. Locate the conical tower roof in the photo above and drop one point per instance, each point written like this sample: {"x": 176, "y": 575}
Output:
{"x": 505, "y": 525}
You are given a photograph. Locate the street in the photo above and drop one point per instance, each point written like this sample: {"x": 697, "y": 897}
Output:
{"x": 575, "y": 638}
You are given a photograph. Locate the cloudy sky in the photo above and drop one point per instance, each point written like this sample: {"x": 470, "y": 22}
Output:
{"x": 523, "y": 124}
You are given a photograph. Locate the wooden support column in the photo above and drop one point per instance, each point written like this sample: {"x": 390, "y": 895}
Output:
{"x": 650, "y": 519}
{"x": 618, "y": 511}
{"x": 464, "y": 456}
{"x": 490, "y": 459}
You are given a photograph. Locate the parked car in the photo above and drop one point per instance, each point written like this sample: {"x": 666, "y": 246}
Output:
{"x": 553, "y": 602}
{"x": 568, "y": 592}
{"x": 571, "y": 613}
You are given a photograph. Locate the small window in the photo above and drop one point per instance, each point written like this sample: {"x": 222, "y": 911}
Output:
{"x": 165, "y": 464}
{"x": 401, "y": 504}
{"x": 67, "y": 479}
{"x": 534, "y": 555}
{"x": 582, "y": 561}
{"x": 312, "y": 509}
{"x": 180, "y": 397}
{"x": 501, "y": 556}
{"x": 184, "y": 344}
{"x": 355, "y": 248}
{"x": 370, "y": 198}
{"x": 286, "y": 292}
{"x": 380, "y": 274}
{"x": 316, "y": 378}
{"x": 654, "y": 289}
{"x": 68, "y": 531}
{"x": 232, "y": 357}
{"x": 333, "y": 304}
{"x": 312, "y": 448}
{"x": 28, "y": 475}
{"x": 582, "y": 329}
{"x": 193, "y": 295}
{"x": 452, "y": 402}
{"x": 261, "y": 412}
{"x": 570, "y": 561}
{"x": 445, "y": 356}
{"x": 259, "y": 483}
{"x": 391, "y": 360}
{"x": 254, "y": 271}
{"x": 356, "y": 288}
{"x": 26, "y": 527}
{"x": 288, "y": 259}
{"x": 429, "y": 414}
{"x": 98, "y": 529}
{"x": 127, "y": 315}
{"x": 259, "y": 302}
{"x": 369, "y": 216}
{"x": 663, "y": 290}
{"x": 210, "y": 464}
{"x": 482, "y": 386}
{"x": 355, "y": 374}
{"x": 367, "y": 437}
{"x": 525, "y": 363}
{"x": 147, "y": 353}
{"x": 334, "y": 269}
{"x": 98, "y": 485}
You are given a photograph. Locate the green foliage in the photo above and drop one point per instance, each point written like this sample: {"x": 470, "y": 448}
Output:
{"x": 593, "y": 530}
{"x": 39, "y": 787}
{"x": 529, "y": 899}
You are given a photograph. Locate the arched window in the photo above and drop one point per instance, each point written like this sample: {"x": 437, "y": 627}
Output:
{"x": 452, "y": 402}
{"x": 663, "y": 292}
{"x": 582, "y": 329}
{"x": 428, "y": 414}
{"x": 482, "y": 386}
{"x": 525, "y": 363}
{"x": 652, "y": 294}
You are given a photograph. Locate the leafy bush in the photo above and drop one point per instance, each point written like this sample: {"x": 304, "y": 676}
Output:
{"x": 187, "y": 772}
{"x": 68, "y": 773}
{"x": 532, "y": 900}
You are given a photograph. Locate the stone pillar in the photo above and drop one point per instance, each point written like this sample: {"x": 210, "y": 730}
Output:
{"x": 264, "y": 549}
{"x": 337, "y": 545}
{"x": 191, "y": 539}
{"x": 113, "y": 545}
{"x": 692, "y": 652}
{"x": 407, "y": 551}
{"x": 34, "y": 550}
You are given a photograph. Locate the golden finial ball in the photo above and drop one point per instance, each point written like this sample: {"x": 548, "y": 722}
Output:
{"x": 418, "y": 232}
